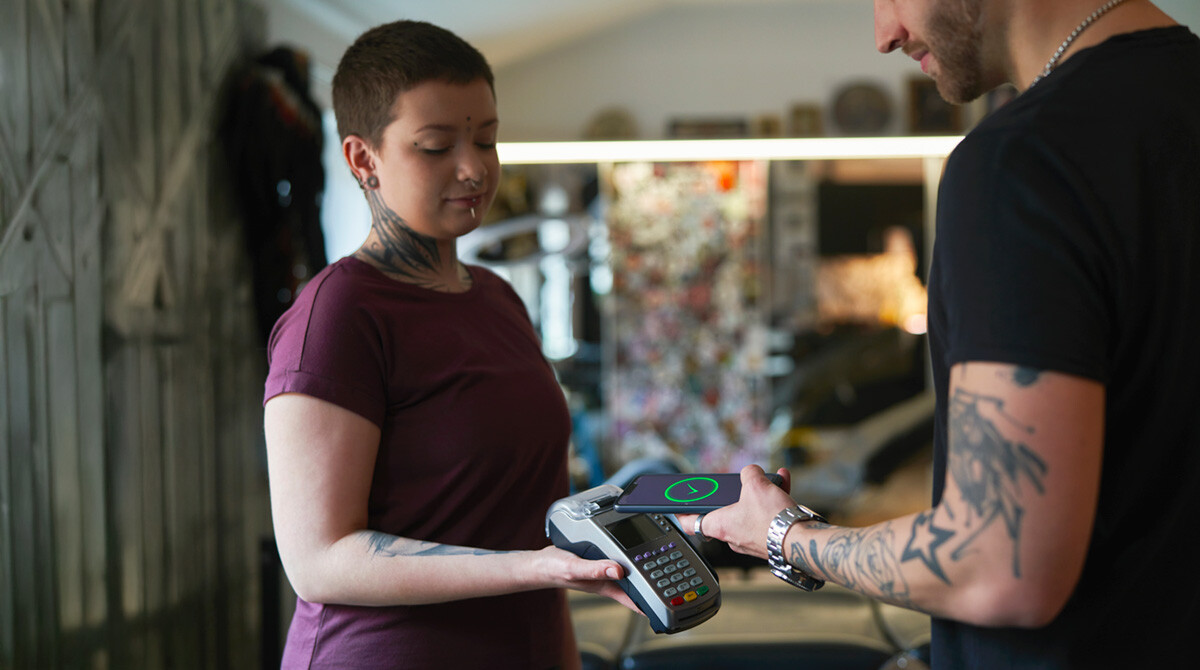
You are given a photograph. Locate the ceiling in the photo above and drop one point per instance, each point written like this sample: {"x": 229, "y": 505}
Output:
{"x": 506, "y": 31}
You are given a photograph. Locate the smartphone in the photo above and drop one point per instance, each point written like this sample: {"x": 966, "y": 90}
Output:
{"x": 683, "y": 493}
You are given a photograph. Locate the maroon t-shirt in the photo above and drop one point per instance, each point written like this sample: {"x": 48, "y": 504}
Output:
{"x": 473, "y": 451}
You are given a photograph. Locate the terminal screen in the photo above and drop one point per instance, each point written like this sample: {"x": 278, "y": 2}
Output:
{"x": 634, "y": 531}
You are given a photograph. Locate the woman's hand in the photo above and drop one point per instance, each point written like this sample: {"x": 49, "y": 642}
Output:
{"x": 743, "y": 525}
{"x": 566, "y": 570}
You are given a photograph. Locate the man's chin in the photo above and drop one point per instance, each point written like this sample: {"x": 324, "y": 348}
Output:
{"x": 958, "y": 93}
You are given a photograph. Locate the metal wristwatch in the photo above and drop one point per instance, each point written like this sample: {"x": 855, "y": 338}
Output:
{"x": 775, "y": 534}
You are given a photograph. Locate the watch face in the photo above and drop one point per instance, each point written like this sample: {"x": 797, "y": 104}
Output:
{"x": 805, "y": 514}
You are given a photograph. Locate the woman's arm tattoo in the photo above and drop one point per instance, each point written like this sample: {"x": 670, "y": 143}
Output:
{"x": 390, "y": 546}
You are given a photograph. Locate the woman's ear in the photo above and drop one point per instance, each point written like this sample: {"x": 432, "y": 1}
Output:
{"x": 359, "y": 157}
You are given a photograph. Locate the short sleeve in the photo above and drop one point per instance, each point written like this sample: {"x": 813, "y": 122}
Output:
{"x": 328, "y": 346}
{"x": 1020, "y": 270}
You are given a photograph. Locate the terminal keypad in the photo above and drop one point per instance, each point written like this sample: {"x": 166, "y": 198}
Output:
{"x": 670, "y": 571}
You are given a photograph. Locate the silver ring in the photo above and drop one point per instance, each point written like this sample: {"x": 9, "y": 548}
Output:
{"x": 697, "y": 530}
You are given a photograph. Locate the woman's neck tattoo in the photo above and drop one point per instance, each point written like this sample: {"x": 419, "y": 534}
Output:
{"x": 397, "y": 248}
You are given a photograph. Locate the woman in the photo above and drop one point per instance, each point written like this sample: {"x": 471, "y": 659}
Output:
{"x": 415, "y": 433}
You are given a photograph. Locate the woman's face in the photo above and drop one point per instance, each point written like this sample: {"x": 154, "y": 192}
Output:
{"x": 437, "y": 165}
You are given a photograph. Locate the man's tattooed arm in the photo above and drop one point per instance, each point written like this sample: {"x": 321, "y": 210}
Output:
{"x": 990, "y": 471}
{"x": 861, "y": 559}
{"x": 993, "y": 475}
{"x": 1025, "y": 377}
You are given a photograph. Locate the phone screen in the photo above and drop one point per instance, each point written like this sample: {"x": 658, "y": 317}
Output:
{"x": 680, "y": 493}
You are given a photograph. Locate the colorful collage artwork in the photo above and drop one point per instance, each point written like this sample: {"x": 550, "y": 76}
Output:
{"x": 687, "y": 317}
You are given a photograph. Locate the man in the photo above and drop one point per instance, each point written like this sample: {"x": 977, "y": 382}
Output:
{"x": 1064, "y": 319}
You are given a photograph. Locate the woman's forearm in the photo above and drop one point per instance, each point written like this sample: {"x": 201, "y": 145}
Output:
{"x": 374, "y": 569}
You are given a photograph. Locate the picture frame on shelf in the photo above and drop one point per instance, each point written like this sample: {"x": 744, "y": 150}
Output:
{"x": 708, "y": 128}
{"x": 768, "y": 125}
{"x": 862, "y": 109}
{"x": 928, "y": 112}
{"x": 806, "y": 121}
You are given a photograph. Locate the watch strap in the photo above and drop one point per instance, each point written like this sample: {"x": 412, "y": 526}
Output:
{"x": 775, "y": 535}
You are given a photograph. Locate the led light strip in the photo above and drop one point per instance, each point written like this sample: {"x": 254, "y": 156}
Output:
{"x": 820, "y": 148}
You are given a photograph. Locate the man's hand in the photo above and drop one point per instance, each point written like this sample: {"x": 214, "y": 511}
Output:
{"x": 743, "y": 525}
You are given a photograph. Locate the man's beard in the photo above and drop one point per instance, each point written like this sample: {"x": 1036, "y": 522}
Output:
{"x": 955, "y": 38}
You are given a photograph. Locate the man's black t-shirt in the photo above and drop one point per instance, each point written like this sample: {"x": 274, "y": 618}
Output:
{"x": 1069, "y": 240}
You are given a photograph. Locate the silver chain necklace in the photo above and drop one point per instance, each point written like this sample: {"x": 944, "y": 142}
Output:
{"x": 1062, "y": 48}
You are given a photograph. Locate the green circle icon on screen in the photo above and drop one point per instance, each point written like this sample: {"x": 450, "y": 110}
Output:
{"x": 691, "y": 489}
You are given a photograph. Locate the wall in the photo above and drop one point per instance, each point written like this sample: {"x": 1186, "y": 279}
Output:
{"x": 719, "y": 59}
{"x": 1186, "y": 12}
{"x": 684, "y": 61}
{"x": 132, "y": 494}
{"x": 699, "y": 60}
{"x": 690, "y": 58}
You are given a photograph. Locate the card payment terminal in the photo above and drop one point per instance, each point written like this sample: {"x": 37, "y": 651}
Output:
{"x": 672, "y": 584}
